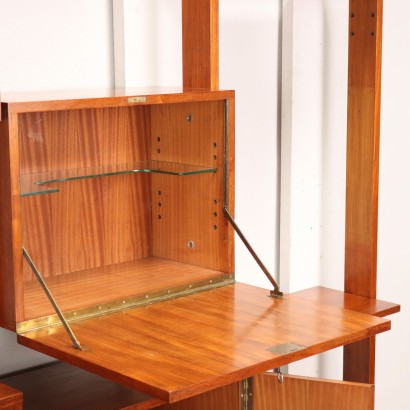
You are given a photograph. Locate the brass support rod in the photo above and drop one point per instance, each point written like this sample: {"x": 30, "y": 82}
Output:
{"x": 276, "y": 293}
{"x": 43, "y": 284}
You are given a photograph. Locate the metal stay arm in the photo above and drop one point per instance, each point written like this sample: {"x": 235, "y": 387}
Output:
{"x": 276, "y": 293}
{"x": 43, "y": 284}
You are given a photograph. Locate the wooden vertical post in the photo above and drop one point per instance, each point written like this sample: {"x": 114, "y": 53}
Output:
{"x": 200, "y": 44}
{"x": 362, "y": 175}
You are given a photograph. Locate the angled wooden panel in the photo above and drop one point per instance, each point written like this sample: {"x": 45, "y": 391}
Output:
{"x": 200, "y": 59}
{"x": 362, "y": 177}
{"x": 302, "y": 393}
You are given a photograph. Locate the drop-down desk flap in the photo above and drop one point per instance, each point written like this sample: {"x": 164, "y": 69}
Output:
{"x": 182, "y": 347}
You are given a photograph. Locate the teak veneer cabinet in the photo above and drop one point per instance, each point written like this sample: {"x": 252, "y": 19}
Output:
{"x": 117, "y": 236}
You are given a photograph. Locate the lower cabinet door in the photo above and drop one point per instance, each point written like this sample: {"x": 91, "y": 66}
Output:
{"x": 301, "y": 393}
{"x": 224, "y": 398}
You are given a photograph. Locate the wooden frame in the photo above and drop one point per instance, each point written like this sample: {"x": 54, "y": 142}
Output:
{"x": 362, "y": 175}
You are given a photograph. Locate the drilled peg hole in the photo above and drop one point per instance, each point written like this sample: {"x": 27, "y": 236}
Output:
{"x": 214, "y": 144}
{"x": 215, "y": 201}
{"x": 159, "y": 203}
{"x": 215, "y": 214}
{"x": 352, "y": 15}
{"x": 352, "y": 33}
{"x": 159, "y": 193}
{"x": 215, "y": 227}
{"x": 214, "y": 157}
{"x": 159, "y": 216}
{"x": 159, "y": 151}
{"x": 372, "y": 15}
{"x": 158, "y": 139}
{"x": 372, "y": 33}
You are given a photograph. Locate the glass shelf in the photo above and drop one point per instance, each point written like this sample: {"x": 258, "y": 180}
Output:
{"x": 35, "y": 184}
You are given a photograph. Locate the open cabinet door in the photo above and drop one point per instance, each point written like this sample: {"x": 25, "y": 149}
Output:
{"x": 303, "y": 393}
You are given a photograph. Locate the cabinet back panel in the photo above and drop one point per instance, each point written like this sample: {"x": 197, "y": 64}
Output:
{"x": 188, "y": 222}
{"x": 90, "y": 222}
{"x": 56, "y": 140}
{"x": 189, "y": 133}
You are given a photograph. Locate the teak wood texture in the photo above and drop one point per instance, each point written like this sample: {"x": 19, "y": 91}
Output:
{"x": 362, "y": 164}
{"x": 113, "y": 232}
{"x": 64, "y": 387}
{"x": 200, "y": 44}
{"x": 10, "y": 399}
{"x": 302, "y": 393}
{"x": 349, "y": 301}
{"x": 180, "y": 348}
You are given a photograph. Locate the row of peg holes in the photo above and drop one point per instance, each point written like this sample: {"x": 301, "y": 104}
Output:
{"x": 372, "y": 15}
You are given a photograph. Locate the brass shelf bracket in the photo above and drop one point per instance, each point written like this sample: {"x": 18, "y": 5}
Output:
{"x": 43, "y": 284}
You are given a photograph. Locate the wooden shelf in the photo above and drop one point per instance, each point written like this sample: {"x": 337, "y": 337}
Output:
{"x": 348, "y": 301}
{"x": 183, "y": 347}
{"x": 128, "y": 283}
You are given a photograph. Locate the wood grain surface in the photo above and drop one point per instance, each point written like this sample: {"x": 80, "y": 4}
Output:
{"x": 200, "y": 44}
{"x": 180, "y": 348}
{"x": 105, "y": 98}
{"x": 11, "y": 274}
{"x": 95, "y": 286}
{"x": 344, "y": 300}
{"x": 64, "y": 387}
{"x": 10, "y": 399}
{"x": 362, "y": 170}
{"x": 189, "y": 210}
{"x": 303, "y": 393}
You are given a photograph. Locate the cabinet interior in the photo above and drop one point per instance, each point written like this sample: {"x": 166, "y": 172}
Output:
{"x": 123, "y": 204}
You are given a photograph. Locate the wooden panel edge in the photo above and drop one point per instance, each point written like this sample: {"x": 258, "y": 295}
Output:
{"x": 362, "y": 304}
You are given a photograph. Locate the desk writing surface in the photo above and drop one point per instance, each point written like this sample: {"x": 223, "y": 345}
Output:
{"x": 179, "y": 348}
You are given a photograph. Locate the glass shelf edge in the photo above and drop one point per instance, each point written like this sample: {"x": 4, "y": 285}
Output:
{"x": 34, "y": 184}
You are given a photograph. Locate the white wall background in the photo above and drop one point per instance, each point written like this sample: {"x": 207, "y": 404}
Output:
{"x": 69, "y": 44}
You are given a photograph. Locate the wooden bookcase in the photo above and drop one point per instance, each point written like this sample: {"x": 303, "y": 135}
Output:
{"x": 117, "y": 200}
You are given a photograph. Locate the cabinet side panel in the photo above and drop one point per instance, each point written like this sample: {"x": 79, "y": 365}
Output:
{"x": 11, "y": 304}
{"x": 187, "y": 217}
{"x": 91, "y": 222}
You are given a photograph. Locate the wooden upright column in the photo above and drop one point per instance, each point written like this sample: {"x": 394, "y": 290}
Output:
{"x": 363, "y": 130}
{"x": 200, "y": 55}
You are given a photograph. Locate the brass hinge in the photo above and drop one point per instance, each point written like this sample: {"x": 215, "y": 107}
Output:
{"x": 247, "y": 394}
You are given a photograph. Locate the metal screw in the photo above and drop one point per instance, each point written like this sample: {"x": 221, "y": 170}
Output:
{"x": 191, "y": 244}
{"x": 189, "y": 118}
